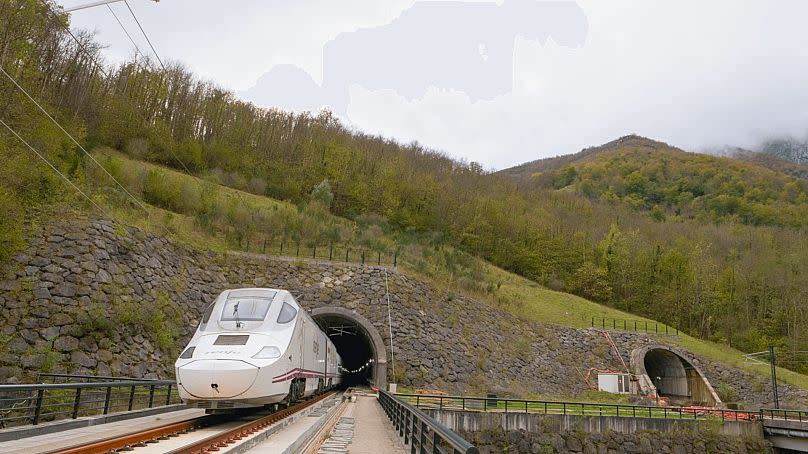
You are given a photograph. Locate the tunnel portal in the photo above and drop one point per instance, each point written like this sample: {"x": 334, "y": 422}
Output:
{"x": 359, "y": 344}
{"x": 665, "y": 373}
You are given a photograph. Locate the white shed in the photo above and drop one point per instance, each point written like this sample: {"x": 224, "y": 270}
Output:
{"x": 615, "y": 382}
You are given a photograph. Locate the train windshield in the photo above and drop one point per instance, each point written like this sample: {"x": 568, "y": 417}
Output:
{"x": 247, "y": 308}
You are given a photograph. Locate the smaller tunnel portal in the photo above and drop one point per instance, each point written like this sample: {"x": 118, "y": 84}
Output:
{"x": 678, "y": 380}
{"x": 358, "y": 344}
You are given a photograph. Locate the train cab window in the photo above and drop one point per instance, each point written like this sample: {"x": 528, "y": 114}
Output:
{"x": 244, "y": 309}
{"x": 287, "y": 313}
{"x": 208, "y": 312}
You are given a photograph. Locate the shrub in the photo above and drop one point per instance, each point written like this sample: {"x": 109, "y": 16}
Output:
{"x": 726, "y": 392}
{"x": 161, "y": 191}
{"x": 10, "y": 225}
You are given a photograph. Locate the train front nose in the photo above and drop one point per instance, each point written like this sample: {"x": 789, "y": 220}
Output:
{"x": 216, "y": 379}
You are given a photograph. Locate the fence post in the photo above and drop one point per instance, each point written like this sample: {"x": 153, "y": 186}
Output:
{"x": 40, "y": 394}
{"x": 602, "y": 322}
{"x": 656, "y": 327}
{"x": 424, "y": 430}
{"x": 151, "y": 396}
{"x": 168, "y": 395}
{"x": 131, "y": 398}
{"x": 363, "y": 257}
{"x": 297, "y": 251}
{"x": 76, "y": 403}
{"x": 614, "y": 323}
{"x": 593, "y": 322}
{"x": 331, "y": 252}
{"x": 347, "y": 251}
{"x": 314, "y": 253}
{"x": 395, "y": 258}
{"x": 635, "y": 325}
{"x": 646, "y": 326}
{"x": 106, "y": 399}
{"x": 379, "y": 259}
{"x": 264, "y": 248}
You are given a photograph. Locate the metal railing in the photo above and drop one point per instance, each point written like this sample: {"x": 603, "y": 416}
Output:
{"x": 33, "y": 404}
{"x": 787, "y": 415}
{"x": 547, "y": 407}
{"x": 420, "y": 431}
{"x": 642, "y": 326}
{"x": 77, "y": 378}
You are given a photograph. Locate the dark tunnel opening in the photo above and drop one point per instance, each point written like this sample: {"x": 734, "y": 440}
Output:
{"x": 675, "y": 378}
{"x": 354, "y": 346}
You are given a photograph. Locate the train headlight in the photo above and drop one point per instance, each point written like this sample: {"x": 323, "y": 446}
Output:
{"x": 188, "y": 353}
{"x": 268, "y": 352}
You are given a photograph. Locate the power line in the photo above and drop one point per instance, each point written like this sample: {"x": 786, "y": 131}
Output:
{"x": 82, "y": 47}
{"x": 95, "y": 59}
{"x": 145, "y": 35}
{"x": 73, "y": 139}
{"x": 54, "y": 168}
{"x": 137, "y": 49}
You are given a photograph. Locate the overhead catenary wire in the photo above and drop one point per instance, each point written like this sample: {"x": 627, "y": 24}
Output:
{"x": 81, "y": 45}
{"x": 107, "y": 75}
{"x": 125, "y": 31}
{"x": 43, "y": 158}
{"x": 87, "y": 153}
{"x": 145, "y": 35}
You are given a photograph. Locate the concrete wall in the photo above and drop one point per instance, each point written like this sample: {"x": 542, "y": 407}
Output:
{"x": 523, "y": 433}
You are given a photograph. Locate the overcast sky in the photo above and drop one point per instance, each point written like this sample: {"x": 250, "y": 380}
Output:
{"x": 695, "y": 74}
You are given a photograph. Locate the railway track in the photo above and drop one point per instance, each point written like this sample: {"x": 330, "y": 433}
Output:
{"x": 212, "y": 443}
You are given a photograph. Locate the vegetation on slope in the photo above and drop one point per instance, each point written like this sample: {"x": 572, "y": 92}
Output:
{"x": 739, "y": 284}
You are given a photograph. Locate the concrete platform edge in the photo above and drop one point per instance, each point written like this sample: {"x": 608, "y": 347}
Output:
{"x": 258, "y": 439}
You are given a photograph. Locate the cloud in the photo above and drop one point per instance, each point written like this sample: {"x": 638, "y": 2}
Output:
{"x": 692, "y": 73}
{"x": 462, "y": 46}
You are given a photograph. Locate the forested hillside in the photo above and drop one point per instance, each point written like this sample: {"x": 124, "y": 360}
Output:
{"x": 665, "y": 181}
{"x": 713, "y": 246}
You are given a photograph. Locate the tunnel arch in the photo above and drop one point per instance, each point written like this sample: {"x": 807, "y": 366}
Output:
{"x": 664, "y": 372}
{"x": 335, "y": 319}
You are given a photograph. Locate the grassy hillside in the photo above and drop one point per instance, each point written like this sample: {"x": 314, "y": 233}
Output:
{"x": 445, "y": 267}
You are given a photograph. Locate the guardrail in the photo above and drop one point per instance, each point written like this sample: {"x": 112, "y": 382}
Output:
{"x": 32, "y": 404}
{"x": 787, "y": 415}
{"x": 420, "y": 431}
{"x": 78, "y": 378}
{"x": 437, "y": 402}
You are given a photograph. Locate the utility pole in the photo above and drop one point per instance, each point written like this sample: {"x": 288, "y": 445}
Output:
{"x": 774, "y": 376}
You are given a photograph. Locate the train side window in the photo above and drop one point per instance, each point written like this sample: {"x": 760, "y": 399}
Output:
{"x": 287, "y": 314}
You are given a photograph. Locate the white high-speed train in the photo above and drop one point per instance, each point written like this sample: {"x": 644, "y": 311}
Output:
{"x": 255, "y": 346}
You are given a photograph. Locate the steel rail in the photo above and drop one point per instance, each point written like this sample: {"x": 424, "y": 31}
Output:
{"x": 221, "y": 440}
{"x": 131, "y": 440}
{"x": 155, "y": 434}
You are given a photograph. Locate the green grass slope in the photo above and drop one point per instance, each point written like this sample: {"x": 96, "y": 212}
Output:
{"x": 443, "y": 266}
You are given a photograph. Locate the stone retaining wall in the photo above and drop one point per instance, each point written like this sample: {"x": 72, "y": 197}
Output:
{"x": 497, "y": 432}
{"x": 92, "y": 297}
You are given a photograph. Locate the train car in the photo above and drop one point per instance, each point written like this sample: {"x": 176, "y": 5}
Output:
{"x": 253, "y": 347}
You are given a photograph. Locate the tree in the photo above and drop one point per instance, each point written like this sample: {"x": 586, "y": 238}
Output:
{"x": 323, "y": 194}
